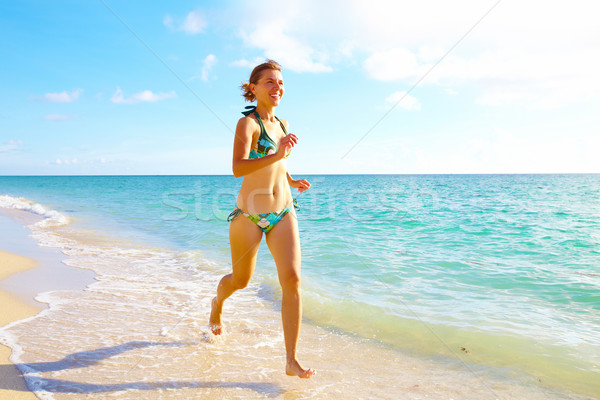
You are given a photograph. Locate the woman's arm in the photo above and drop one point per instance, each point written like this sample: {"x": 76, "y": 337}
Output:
{"x": 246, "y": 166}
{"x": 242, "y": 145}
{"x": 300, "y": 184}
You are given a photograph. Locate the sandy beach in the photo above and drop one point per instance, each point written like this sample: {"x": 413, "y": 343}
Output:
{"x": 26, "y": 269}
{"x": 12, "y": 384}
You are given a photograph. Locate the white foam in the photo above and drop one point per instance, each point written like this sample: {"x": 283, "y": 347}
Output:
{"x": 52, "y": 218}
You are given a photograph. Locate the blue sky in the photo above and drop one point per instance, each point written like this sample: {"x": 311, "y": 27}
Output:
{"x": 139, "y": 87}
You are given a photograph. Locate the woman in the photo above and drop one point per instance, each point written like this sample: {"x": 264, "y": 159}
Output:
{"x": 265, "y": 205}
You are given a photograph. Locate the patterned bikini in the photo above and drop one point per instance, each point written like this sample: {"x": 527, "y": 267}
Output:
{"x": 264, "y": 147}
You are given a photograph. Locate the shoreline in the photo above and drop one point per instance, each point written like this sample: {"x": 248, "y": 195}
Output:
{"x": 26, "y": 269}
{"x": 53, "y": 274}
{"x": 12, "y": 383}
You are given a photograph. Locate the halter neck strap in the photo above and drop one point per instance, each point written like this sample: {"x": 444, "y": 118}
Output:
{"x": 249, "y": 110}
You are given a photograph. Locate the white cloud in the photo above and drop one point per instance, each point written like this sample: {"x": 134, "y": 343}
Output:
{"x": 10, "y": 145}
{"x": 248, "y": 63}
{"x": 193, "y": 24}
{"x": 403, "y": 100}
{"x": 62, "y": 97}
{"x": 292, "y": 53}
{"x": 535, "y": 79}
{"x": 503, "y": 76}
{"x": 393, "y": 64}
{"x": 169, "y": 22}
{"x": 536, "y": 54}
{"x": 66, "y": 161}
{"x": 209, "y": 62}
{"x": 143, "y": 97}
{"x": 510, "y": 61}
{"x": 295, "y": 37}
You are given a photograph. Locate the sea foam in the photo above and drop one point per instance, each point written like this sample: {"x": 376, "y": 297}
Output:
{"x": 51, "y": 218}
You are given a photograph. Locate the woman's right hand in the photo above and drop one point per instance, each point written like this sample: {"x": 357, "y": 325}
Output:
{"x": 286, "y": 144}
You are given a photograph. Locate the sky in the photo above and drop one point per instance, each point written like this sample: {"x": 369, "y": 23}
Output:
{"x": 106, "y": 87}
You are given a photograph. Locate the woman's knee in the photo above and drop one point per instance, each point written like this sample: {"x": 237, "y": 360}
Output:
{"x": 240, "y": 282}
{"x": 290, "y": 281}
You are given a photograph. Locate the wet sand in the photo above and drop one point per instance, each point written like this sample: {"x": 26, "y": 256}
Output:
{"x": 12, "y": 384}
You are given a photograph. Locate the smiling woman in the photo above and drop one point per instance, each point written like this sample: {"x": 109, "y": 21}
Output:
{"x": 255, "y": 76}
{"x": 261, "y": 144}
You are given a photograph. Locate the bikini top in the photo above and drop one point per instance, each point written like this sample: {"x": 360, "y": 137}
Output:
{"x": 264, "y": 145}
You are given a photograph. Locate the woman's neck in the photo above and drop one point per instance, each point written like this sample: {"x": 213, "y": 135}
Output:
{"x": 266, "y": 112}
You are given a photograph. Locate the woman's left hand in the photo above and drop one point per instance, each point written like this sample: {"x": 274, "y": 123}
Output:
{"x": 300, "y": 184}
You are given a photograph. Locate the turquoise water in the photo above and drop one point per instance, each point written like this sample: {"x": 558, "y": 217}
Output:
{"x": 503, "y": 270}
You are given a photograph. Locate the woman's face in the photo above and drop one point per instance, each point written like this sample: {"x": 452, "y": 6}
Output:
{"x": 269, "y": 88}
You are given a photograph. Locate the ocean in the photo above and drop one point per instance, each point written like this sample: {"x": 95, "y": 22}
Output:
{"x": 425, "y": 286}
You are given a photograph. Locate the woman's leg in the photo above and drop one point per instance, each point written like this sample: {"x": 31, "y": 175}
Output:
{"x": 244, "y": 239}
{"x": 284, "y": 243}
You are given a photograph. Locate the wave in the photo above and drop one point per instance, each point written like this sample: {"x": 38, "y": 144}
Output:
{"x": 51, "y": 218}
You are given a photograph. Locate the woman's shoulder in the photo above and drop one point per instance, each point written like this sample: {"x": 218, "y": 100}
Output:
{"x": 248, "y": 120}
{"x": 247, "y": 125}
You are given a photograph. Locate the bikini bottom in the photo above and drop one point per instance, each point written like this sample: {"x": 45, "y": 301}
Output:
{"x": 265, "y": 222}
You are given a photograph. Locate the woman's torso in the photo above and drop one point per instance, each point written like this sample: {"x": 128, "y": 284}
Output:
{"x": 267, "y": 189}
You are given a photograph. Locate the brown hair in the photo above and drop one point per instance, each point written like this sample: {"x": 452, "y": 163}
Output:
{"x": 255, "y": 76}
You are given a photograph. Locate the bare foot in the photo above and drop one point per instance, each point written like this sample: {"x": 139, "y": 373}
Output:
{"x": 215, "y": 317}
{"x": 293, "y": 368}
